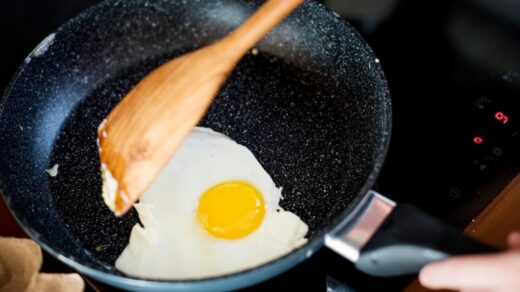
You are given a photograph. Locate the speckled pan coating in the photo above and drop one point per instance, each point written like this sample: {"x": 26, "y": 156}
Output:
{"x": 312, "y": 105}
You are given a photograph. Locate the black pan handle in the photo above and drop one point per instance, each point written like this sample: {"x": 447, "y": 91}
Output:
{"x": 385, "y": 239}
{"x": 408, "y": 239}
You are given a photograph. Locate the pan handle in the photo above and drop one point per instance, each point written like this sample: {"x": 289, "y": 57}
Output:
{"x": 401, "y": 238}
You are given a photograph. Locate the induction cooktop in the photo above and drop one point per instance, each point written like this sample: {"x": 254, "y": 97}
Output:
{"x": 453, "y": 68}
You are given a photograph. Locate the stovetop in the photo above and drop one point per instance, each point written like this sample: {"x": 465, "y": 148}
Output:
{"x": 453, "y": 68}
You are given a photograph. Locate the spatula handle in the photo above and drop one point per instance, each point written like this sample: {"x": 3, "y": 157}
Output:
{"x": 255, "y": 27}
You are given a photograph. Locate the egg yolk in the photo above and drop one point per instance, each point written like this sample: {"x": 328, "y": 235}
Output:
{"x": 231, "y": 210}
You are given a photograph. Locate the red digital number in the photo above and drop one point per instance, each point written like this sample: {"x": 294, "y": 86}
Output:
{"x": 500, "y": 116}
{"x": 478, "y": 140}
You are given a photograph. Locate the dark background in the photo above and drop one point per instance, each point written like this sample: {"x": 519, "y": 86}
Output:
{"x": 451, "y": 66}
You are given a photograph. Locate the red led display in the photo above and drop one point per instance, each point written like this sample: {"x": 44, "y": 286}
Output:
{"x": 478, "y": 140}
{"x": 500, "y": 116}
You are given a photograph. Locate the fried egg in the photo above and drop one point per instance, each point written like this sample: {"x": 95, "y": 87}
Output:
{"x": 212, "y": 211}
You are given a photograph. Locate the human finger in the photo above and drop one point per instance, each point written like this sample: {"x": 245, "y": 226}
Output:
{"x": 513, "y": 240}
{"x": 464, "y": 272}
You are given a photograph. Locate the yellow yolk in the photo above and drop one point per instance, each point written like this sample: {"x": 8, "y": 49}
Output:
{"x": 231, "y": 210}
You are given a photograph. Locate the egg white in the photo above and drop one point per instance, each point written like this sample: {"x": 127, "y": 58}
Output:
{"x": 172, "y": 245}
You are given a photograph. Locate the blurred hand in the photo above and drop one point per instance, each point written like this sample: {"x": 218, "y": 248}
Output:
{"x": 487, "y": 272}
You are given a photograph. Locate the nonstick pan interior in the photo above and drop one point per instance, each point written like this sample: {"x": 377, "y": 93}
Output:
{"x": 312, "y": 106}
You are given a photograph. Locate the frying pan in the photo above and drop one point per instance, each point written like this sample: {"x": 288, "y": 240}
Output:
{"x": 313, "y": 106}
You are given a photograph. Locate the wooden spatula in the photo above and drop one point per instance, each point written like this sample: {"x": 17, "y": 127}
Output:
{"x": 143, "y": 131}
